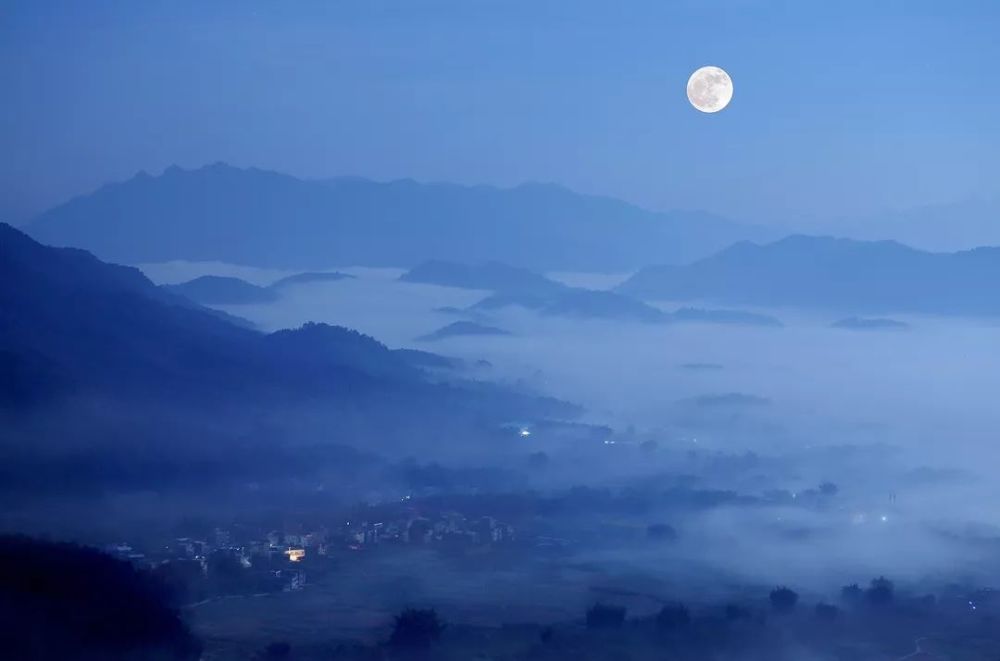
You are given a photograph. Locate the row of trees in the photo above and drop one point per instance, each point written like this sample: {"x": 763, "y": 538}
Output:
{"x": 418, "y": 629}
{"x": 880, "y": 592}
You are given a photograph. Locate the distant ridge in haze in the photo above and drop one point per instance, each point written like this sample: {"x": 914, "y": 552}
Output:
{"x": 832, "y": 274}
{"x": 261, "y": 218}
{"x": 869, "y": 324}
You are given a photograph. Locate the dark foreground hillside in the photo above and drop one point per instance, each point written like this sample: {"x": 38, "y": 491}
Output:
{"x": 61, "y": 602}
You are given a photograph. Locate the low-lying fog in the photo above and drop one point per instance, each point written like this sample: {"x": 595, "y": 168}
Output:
{"x": 920, "y": 402}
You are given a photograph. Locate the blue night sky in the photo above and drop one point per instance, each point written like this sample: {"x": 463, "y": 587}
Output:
{"x": 841, "y": 109}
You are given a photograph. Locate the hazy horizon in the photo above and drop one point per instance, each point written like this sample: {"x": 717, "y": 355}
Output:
{"x": 907, "y": 226}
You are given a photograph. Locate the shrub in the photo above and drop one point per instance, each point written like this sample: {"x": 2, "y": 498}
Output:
{"x": 416, "y": 628}
{"x": 880, "y": 592}
{"x": 736, "y": 612}
{"x": 672, "y": 617}
{"x": 851, "y": 594}
{"x": 278, "y": 650}
{"x": 661, "y": 532}
{"x": 603, "y": 616}
{"x": 783, "y": 600}
{"x": 827, "y": 611}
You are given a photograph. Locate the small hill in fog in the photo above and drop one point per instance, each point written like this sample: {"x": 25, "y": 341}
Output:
{"x": 701, "y": 367}
{"x": 309, "y": 278}
{"x": 729, "y": 400}
{"x": 227, "y": 290}
{"x": 491, "y": 276}
{"x": 462, "y": 328}
{"x": 222, "y": 290}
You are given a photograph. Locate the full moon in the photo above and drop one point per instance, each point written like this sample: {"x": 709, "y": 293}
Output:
{"x": 710, "y": 89}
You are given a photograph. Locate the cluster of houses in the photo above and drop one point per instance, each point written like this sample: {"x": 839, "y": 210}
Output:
{"x": 275, "y": 561}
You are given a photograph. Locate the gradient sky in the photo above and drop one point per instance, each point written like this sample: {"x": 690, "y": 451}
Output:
{"x": 841, "y": 109}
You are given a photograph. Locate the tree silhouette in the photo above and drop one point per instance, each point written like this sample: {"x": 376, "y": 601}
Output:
{"x": 828, "y": 489}
{"x": 661, "y": 532}
{"x": 674, "y": 616}
{"x": 736, "y": 612}
{"x": 538, "y": 459}
{"x": 852, "y": 594}
{"x": 278, "y": 650}
{"x": 416, "y": 628}
{"x": 880, "y": 592}
{"x": 783, "y": 599}
{"x": 603, "y": 616}
{"x": 827, "y": 611}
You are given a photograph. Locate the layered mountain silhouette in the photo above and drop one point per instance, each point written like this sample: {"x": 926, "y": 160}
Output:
{"x": 261, "y": 218}
{"x": 834, "y": 274}
{"x": 146, "y": 382}
{"x": 104, "y": 328}
{"x": 518, "y": 287}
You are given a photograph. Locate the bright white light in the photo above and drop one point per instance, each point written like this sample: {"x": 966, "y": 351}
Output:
{"x": 525, "y": 432}
{"x": 884, "y": 518}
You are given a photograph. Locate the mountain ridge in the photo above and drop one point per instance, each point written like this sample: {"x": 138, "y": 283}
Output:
{"x": 264, "y": 218}
{"x": 831, "y": 273}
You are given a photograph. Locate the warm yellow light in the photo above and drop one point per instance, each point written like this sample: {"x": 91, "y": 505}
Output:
{"x": 295, "y": 555}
